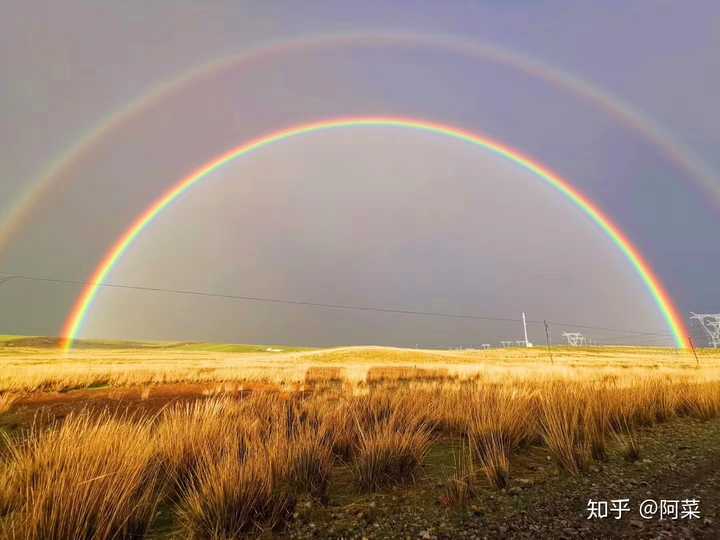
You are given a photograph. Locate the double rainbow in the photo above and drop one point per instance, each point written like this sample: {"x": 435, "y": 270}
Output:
{"x": 654, "y": 286}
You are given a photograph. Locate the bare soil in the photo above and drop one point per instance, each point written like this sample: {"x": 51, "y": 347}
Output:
{"x": 679, "y": 460}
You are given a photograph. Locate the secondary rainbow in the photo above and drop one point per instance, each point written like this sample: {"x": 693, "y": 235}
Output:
{"x": 60, "y": 169}
{"x": 652, "y": 282}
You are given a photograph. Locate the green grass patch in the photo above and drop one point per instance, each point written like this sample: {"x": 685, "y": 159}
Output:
{"x": 10, "y": 341}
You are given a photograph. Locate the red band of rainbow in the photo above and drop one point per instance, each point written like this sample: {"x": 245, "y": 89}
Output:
{"x": 652, "y": 282}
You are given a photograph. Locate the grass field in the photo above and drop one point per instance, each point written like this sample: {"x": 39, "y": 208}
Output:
{"x": 180, "y": 440}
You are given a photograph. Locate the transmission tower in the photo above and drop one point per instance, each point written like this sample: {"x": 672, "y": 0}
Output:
{"x": 710, "y": 322}
{"x": 574, "y": 339}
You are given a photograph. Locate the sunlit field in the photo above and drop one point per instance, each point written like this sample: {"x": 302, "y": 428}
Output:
{"x": 218, "y": 441}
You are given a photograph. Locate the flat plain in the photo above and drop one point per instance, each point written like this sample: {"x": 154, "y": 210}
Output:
{"x": 178, "y": 440}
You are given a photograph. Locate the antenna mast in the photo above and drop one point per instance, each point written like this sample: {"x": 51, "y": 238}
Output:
{"x": 527, "y": 343}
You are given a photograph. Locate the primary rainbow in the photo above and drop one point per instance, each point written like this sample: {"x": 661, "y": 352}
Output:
{"x": 652, "y": 282}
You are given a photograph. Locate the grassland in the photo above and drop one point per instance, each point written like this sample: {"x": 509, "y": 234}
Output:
{"x": 204, "y": 441}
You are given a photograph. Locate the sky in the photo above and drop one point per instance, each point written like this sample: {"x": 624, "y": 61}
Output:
{"x": 366, "y": 216}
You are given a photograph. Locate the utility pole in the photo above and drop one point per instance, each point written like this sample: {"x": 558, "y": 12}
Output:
{"x": 547, "y": 340}
{"x": 692, "y": 346}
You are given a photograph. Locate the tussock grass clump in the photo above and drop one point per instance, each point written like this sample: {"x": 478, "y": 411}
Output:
{"x": 340, "y": 431}
{"x": 186, "y": 432}
{"x": 642, "y": 403}
{"x": 500, "y": 420}
{"x": 309, "y": 462}
{"x": 390, "y": 449}
{"x": 597, "y": 422}
{"x": 666, "y": 398}
{"x": 241, "y": 464}
{"x": 562, "y": 422}
{"x": 701, "y": 400}
{"x": 408, "y": 407}
{"x": 629, "y": 443}
{"x": 229, "y": 498}
{"x": 387, "y": 456}
{"x": 87, "y": 478}
{"x": 508, "y": 413}
{"x": 459, "y": 488}
{"x": 494, "y": 457}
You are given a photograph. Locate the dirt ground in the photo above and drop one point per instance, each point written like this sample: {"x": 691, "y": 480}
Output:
{"x": 679, "y": 460}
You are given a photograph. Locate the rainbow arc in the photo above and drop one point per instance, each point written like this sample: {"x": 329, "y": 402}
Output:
{"x": 652, "y": 283}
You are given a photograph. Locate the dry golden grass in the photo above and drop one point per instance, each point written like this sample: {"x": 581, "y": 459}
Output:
{"x": 390, "y": 448}
{"x": 232, "y": 463}
{"x": 47, "y": 369}
{"x": 597, "y": 421}
{"x": 229, "y": 497}
{"x": 309, "y": 463}
{"x": 563, "y": 421}
{"x": 187, "y": 432}
{"x": 6, "y": 401}
{"x": 629, "y": 442}
{"x": 86, "y": 478}
{"x": 500, "y": 419}
{"x": 398, "y": 375}
{"x": 324, "y": 375}
{"x": 493, "y": 454}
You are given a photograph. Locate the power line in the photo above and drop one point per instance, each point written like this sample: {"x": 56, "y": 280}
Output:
{"x": 632, "y": 336}
{"x": 636, "y": 332}
{"x": 285, "y": 301}
{"x": 257, "y": 298}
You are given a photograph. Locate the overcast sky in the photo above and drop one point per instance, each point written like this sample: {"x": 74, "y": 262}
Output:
{"x": 364, "y": 216}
